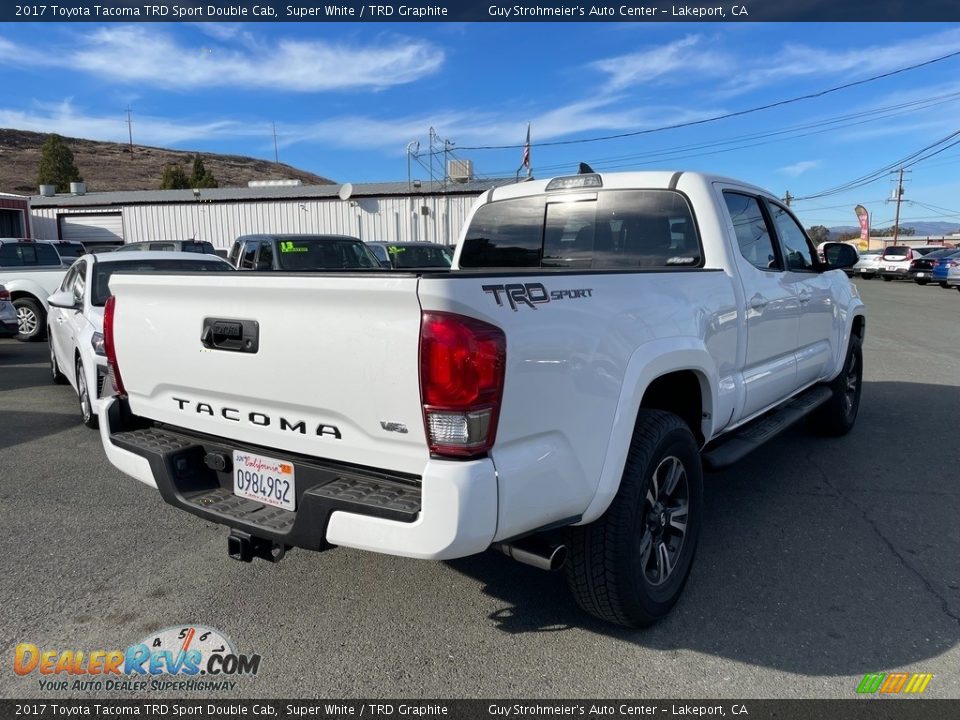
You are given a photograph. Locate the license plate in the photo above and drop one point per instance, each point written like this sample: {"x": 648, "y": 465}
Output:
{"x": 920, "y": 274}
{"x": 264, "y": 479}
{"x": 891, "y": 267}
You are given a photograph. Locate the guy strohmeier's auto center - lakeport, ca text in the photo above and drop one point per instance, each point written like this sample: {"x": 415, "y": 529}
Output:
{"x": 333, "y": 10}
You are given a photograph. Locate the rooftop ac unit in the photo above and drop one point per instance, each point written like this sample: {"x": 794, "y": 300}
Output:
{"x": 460, "y": 170}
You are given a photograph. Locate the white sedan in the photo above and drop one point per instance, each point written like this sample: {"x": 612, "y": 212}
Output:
{"x": 75, "y": 320}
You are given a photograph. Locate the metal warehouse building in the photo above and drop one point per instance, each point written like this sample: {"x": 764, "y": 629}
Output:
{"x": 14, "y": 216}
{"x": 393, "y": 212}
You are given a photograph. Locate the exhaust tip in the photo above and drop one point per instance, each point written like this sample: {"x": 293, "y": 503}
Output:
{"x": 534, "y": 552}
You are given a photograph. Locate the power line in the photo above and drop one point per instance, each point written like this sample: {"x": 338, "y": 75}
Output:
{"x": 789, "y": 133}
{"x": 906, "y": 162}
{"x": 724, "y": 116}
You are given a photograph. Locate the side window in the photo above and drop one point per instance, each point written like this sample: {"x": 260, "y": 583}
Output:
{"x": 235, "y": 253}
{"x": 265, "y": 261}
{"x": 81, "y": 283}
{"x": 753, "y": 236}
{"x": 69, "y": 279}
{"x": 797, "y": 250}
{"x": 248, "y": 255}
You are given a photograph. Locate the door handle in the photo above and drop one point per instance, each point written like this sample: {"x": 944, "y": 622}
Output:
{"x": 758, "y": 302}
{"x": 804, "y": 298}
{"x": 60, "y": 319}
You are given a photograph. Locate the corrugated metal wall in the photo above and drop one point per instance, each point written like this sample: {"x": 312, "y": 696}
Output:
{"x": 395, "y": 218}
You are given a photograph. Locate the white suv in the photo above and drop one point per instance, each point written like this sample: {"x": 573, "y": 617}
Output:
{"x": 895, "y": 260}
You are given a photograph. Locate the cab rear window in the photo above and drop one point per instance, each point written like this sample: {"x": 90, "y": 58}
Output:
{"x": 608, "y": 229}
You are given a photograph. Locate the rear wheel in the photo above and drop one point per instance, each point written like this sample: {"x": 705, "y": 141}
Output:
{"x": 887, "y": 278}
{"x": 83, "y": 395}
{"x": 944, "y": 285}
{"x": 31, "y": 319}
{"x": 837, "y": 416}
{"x": 630, "y": 565}
{"x": 921, "y": 282}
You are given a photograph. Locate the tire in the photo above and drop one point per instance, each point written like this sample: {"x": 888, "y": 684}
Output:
{"x": 944, "y": 285}
{"x": 31, "y": 320}
{"x": 887, "y": 278}
{"x": 58, "y": 377}
{"x": 868, "y": 276}
{"x": 615, "y": 569}
{"x": 921, "y": 282}
{"x": 83, "y": 396}
{"x": 837, "y": 416}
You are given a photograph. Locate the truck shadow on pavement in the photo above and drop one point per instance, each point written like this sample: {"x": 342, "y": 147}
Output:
{"x": 817, "y": 556}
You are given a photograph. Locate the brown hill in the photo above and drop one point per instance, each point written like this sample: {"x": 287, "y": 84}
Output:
{"x": 108, "y": 166}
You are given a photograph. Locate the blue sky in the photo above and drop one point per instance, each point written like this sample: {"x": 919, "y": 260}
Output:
{"x": 348, "y": 98}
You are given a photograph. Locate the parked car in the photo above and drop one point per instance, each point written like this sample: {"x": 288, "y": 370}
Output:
{"x": 75, "y": 321}
{"x": 921, "y": 269}
{"x": 868, "y": 266}
{"x": 30, "y": 270}
{"x": 194, "y": 246}
{"x": 412, "y": 255}
{"x": 8, "y": 315}
{"x": 895, "y": 260}
{"x": 504, "y": 404}
{"x": 68, "y": 250}
{"x": 946, "y": 271}
{"x": 298, "y": 253}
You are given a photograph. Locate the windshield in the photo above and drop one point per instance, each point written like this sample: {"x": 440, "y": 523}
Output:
{"x": 418, "y": 256}
{"x": 324, "y": 253}
{"x": 605, "y": 229}
{"x": 70, "y": 251}
{"x": 103, "y": 271}
{"x": 897, "y": 250}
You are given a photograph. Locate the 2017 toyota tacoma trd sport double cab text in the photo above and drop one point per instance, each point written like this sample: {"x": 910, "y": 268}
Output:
{"x": 601, "y": 338}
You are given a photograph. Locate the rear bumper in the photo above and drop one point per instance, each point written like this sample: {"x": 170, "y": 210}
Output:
{"x": 449, "y": 512}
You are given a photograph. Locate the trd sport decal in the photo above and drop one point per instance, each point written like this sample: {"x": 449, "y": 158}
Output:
{"x": 532, "y": 294}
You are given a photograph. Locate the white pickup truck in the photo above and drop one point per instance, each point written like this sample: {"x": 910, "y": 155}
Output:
{"x": 600, "y": 338}
{"x": 31, "y": 271}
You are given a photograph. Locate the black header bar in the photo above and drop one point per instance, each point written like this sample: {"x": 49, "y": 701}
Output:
{"x": 639, "y": 11}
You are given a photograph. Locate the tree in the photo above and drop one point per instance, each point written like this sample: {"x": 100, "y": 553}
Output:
{"x": 819, "y": 234}
{"x": 56, "y": 164}
{"x": 174, "y": 178}
{"x": 201, "y": 177}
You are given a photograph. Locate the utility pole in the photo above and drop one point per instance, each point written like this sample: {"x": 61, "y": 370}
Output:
{"x": 788, "y": 198}
{"x": 276, "y": 152}
{"x": 130, "y": 130}
{"x": 896, "y": 220}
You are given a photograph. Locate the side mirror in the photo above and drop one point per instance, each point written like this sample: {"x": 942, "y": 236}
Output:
{"x": 62, "y": 299}
{"x": 839, "y": 256}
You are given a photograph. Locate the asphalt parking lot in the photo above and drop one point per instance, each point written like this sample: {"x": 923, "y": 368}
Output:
{"x": 820, "y": 560}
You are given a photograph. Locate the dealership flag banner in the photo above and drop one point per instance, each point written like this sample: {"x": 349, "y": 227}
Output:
{"x": 864, "y": 217}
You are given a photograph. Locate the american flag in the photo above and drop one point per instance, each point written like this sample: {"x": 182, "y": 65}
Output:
{"x": 526, "y": 152}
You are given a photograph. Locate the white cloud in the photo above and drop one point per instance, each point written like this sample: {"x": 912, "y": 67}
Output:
{"x": 65, "y": 119}
{"x": 800, "y": 168}
{"x": 686, "y": 60}
{"x": 799, "y": 61}
{"x": 145, "y": 55}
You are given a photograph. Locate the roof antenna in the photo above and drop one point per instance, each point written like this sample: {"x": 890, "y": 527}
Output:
{"x": 584, "y": 169}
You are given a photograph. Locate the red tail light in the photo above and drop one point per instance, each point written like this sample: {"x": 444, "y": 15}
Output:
{"x": 110, "y": 347}
{"x": 462, "y": 362}
{"x": 4, "y": 293}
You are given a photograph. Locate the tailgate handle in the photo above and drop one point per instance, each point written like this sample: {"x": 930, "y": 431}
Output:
{"x": 231, "y": 335}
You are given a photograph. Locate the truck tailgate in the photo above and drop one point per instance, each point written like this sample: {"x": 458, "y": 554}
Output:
{"x": 335, "y": 374}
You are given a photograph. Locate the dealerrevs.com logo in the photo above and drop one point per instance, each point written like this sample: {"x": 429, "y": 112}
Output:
{"x": 894, "y": 683}
{"x": 180, "y": 658}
